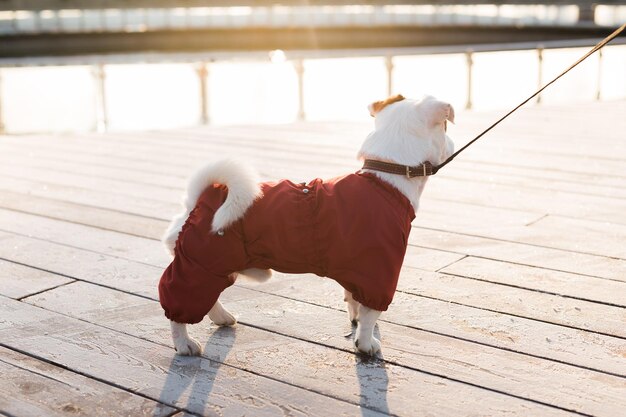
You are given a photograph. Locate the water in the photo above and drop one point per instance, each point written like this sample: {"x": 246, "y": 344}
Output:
{"x": 148, "y": 96}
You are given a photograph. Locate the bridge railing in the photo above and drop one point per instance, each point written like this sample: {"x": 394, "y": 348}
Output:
{"x": 132, "y": 4}
{"x": 23, "y": 16}
{"x": 468, "y": 66}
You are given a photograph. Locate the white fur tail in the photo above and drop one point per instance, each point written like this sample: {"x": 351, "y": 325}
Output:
{"x": 243, "y": 189}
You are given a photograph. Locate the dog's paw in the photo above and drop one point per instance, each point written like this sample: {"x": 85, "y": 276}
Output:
{"x": 220, "y": 316}
{"x": 188, "y": 347}
{"x": 225, "y": 319}
{"x": 369, "y": 347}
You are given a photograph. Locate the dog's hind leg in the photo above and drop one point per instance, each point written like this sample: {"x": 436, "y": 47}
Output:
{"x": 220, "y": 316}
{"x": 255, "y": 274}
{"x": 184, "y": 344}
{"x": 365, "y": 340}
{"x": 353, "y": 307}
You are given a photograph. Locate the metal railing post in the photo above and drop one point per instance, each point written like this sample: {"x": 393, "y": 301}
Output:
{"x": 599, "y": 79}
{"x": 469, "y": 57}
{"x": 203, "y": 74}
{"x": 298, "y": 65}
{"x": 102, "y": 122}
{"x": 2, "y": 131}
{"x": 540, "y": 70}
{"x": 389, "y": 66}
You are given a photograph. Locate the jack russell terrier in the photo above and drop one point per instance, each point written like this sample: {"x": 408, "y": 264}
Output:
{"x": 353, "y": 229}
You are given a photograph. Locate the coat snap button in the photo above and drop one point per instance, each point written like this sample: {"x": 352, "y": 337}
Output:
{"x": 305, "y": 191}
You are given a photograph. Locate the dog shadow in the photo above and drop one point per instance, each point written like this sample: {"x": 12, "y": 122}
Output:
{"x": 196, "y": 375}
{"x": 373, "y": 382}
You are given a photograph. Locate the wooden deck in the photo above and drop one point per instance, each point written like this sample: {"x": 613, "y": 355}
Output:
{"x": 512, "y": 300}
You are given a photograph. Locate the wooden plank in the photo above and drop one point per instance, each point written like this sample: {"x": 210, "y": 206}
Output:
{"x": 446, "y": 215}
{"x": 154, "y": 194}
{"x": 18, "y": 281}
{"x": 243, "y": 140}
{"x": 197, "y": 385}
{"x": 85, "y": 215}
{"x": 246, "y": 142}
{"x": 160, "y": 163}
{"x": 604, "y": 238}
{"x": 172, "y": 195}
{"x": 538, "y": 259}
{"x": 37, "y": 174}
{"x": 216, "y": 384}
{"x": 532, "y": 128}
{"x": 538, "y": 159}
{"x": 488, "y": 152}
{"x": 93, "y": 198}
{"x": 80, "y": 264}
{"x": 500, "y": 172}
{"x": 581, "y": 206}
{"x": 476, "y": 329}
{"x": 139, "y": 278}
{"x": 128, "y": 268}
{"x": 559, "y": 260}
{"x": 108, "y": 161}
{"x": 135, "y": 248}
{"x": 564, "y": 311}
{"x": 538, "y": 339}
{"x": 599, "y": 235}
{"x": 277, "y": 142}
{"x": 18, "y": 162}
{"x": 596, "y": 236}
{"x": 430, "y": 260}
{"x": 561, "y": 130}
{"x": 530, "y": 179}
{"x": 468, "y": 292}
{"x": 496, "y": 369}
{"x": 562, "y": 283}
{"x": 31, "y": 387}
{"x": 600, "y": 238}
{"x": 578, "y": 144}
{"x": 598, "y": 208}
{"x": 505, "y": 196}
{"x": 149, "y": 251}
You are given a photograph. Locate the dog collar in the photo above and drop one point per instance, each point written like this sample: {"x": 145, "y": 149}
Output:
{"x": 424, "y": 170}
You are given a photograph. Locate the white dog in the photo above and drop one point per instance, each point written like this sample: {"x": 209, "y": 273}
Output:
{"x": 353, "y": 229}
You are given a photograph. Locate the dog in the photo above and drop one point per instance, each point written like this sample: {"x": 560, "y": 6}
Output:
{"x": 353, "y": 229}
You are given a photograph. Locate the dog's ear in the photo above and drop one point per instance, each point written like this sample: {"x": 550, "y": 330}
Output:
{"x": 441, "y": 113}
{"x": 377, "y": 106}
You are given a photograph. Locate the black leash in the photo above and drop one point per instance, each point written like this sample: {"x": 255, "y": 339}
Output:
{"x": 587, "y": 55}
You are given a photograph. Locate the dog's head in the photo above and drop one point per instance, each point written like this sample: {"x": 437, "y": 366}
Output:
{"x": 409, "y": 131}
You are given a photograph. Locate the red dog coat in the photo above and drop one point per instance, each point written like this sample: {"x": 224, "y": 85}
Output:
{"x": 353, "y": 229}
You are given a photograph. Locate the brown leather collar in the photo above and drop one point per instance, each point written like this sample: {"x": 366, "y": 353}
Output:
{"x": 424, "y": 170}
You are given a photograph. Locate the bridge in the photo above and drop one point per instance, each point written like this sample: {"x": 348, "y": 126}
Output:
{"x": 510, "y": 302}
{"x": 78, "y": 27}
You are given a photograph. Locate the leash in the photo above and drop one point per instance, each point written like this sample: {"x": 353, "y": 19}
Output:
{"x": 427, "y": 169}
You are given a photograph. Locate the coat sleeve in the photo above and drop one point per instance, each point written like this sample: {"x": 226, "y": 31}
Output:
{"x": 187, "y": 292}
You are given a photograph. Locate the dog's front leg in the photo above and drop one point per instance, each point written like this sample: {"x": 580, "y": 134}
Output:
{"x": 365, "y": 340}
{"x": 184, "y": 344}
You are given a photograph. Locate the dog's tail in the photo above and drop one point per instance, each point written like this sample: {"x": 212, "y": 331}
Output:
{"x": 243, "y": 189}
